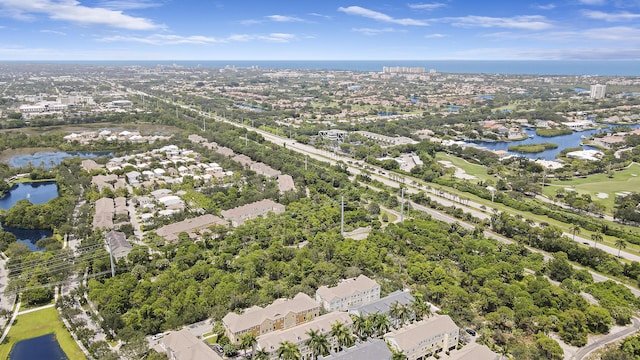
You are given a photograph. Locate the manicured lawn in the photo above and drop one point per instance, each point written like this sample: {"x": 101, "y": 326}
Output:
{"x": 478, "y": 171}
{"x": 40, "y": 323}
{"x": 624, "y": 180}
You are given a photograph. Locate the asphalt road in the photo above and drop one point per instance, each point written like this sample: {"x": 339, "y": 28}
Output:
{"x": 635, "y": 325}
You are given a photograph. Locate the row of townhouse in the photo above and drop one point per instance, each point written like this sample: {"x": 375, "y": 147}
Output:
{"x": 291, "y": 320}
{"x": 279, "y": 315}
{"x": 348, "y": 293}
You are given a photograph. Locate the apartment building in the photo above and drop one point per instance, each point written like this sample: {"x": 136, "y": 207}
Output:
{"x": 425, "y": 338}
{"x": 298, "y": 335}
{"x": 279, "y": 315}
{"x": 352, "y": 292}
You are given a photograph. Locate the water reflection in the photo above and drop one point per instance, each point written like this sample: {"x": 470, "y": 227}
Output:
{"x": 42, "y": 348}
{"x": 49, "y": 159}
{"x": 35, "y": 192}
{"x": 572, "y": 140}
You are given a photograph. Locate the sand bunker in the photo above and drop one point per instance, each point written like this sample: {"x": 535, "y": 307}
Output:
{"x": 460, "y": 174}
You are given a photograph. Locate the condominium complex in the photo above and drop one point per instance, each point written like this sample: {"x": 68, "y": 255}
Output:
{"x": 598, "y": 91}
{"x": 281, "y": 314}
{"x": 403, "y": 69}
{"x": 425, "y": 338}
{"x": 348, "y": 293}
{"x": 298, "y": 335}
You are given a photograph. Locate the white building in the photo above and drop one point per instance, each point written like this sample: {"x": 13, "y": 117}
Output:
{"x": 425, "y": 338}
{"x": 348, "y": 293}
{"x": 598, "y": 91}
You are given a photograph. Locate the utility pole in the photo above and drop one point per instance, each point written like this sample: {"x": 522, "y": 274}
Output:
{"x": 342, "y": 217}
{"x": 402, "y": 208}
{"x": 113, "y": 270}
{"x": 306, "y": 157}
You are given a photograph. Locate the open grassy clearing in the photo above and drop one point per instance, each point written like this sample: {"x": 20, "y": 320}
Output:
{"x": 40, "y": 323}
{"x": 479, "y": 171}
{"x": 144, "y": 128}
{"x": 627, "y": 180}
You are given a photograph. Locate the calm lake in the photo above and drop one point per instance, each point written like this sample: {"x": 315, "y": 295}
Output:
{"x": 49, "y": 159}
{"x": 41, "y": 348}
{"x": 563, "y": 141}
{"x": 36, "y": 193}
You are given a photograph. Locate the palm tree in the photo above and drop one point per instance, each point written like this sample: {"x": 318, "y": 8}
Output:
{"x": 621, "y": 244}
{"x": 596, "y": 237}
{"x": 399, "y": 355}
{"x": 394, "y": 312}
{"x": 248, "y": 340}
{"x": 261, "y": 354}
{"x": 381, "y": 323}
{"x": 318, "y": 343}
{"x": 342, "y": 335}
{"x": 575, "y": 230}
{"x": 288, "y": 351}
{"x": 420, "y": 308}
{"x": 405, "y": 314}
{"x": 362, "y": 326}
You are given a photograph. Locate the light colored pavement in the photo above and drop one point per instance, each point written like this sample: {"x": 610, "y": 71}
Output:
{"x": 13, "y": 319}
{"x": 584, "y": 352}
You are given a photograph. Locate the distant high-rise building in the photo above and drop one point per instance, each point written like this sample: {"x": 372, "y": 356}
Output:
{"x": 403, "y": 69}
{"x": 598, "y": 91}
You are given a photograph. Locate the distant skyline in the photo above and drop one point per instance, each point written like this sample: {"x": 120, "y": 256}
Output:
{"x": 322, "y": 30}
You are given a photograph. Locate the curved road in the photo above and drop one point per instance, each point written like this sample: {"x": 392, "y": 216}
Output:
{"x": 635, "y": 325}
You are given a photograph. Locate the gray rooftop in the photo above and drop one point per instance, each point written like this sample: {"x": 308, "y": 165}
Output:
{"x": 370, "y": 350}
{"x": 383, "y": 305}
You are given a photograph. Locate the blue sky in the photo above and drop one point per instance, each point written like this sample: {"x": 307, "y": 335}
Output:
{"x": 318, "y": 30}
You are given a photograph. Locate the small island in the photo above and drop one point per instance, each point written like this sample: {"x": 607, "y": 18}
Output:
{"x": 553, "y": 132}
{"x": 533, "y": 148}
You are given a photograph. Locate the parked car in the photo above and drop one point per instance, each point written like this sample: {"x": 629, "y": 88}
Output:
{"x": 470, "y": 332}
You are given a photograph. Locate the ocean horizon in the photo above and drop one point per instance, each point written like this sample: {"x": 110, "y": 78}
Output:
{"x": 510, "y": 67}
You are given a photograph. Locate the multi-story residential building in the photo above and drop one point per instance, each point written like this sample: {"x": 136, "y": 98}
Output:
{"x": 348, "y": 293}
{"x": 237, "y": 216}
{"x": 383, "y": 306}
{"x": 598, "y": 91}
{"x": 279, "y": 315}
{"x": 298, "y": 335}
{"x": 425, "y": 338}
{"x": 182, "y": 345}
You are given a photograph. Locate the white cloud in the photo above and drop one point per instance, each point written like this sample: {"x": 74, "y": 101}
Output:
{"x": 628, "y": 36}
{"x": 165, "y": 39}
{"x": 277, "y": 37}
{"x": 583, "y": 53}
{"x": 370, "y": 31}
{"x": 53, "y": 32}
{"x": 375, "y": 15}
{"x": 435, "y": 36}
{"x": 129, "y": 4}
{"x": 320, "y": 15}
{"x": 600, "y": 15}
{"x": 618, "y": 33}
{"x": 430, "y": 6}
{"x": 162, "y": 39}
{"x": 545, "y": 7}
{"x": 593, "y": 2}
{"x": 73, "y": 11}
{"x": 527, "y": 22}
{"x": 283, "y": 18}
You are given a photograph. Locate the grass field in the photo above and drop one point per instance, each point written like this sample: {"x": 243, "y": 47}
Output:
{"x": 40, "y": 323}
{"x": 599, "y": 184}
{"x": 478, "y": 171}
